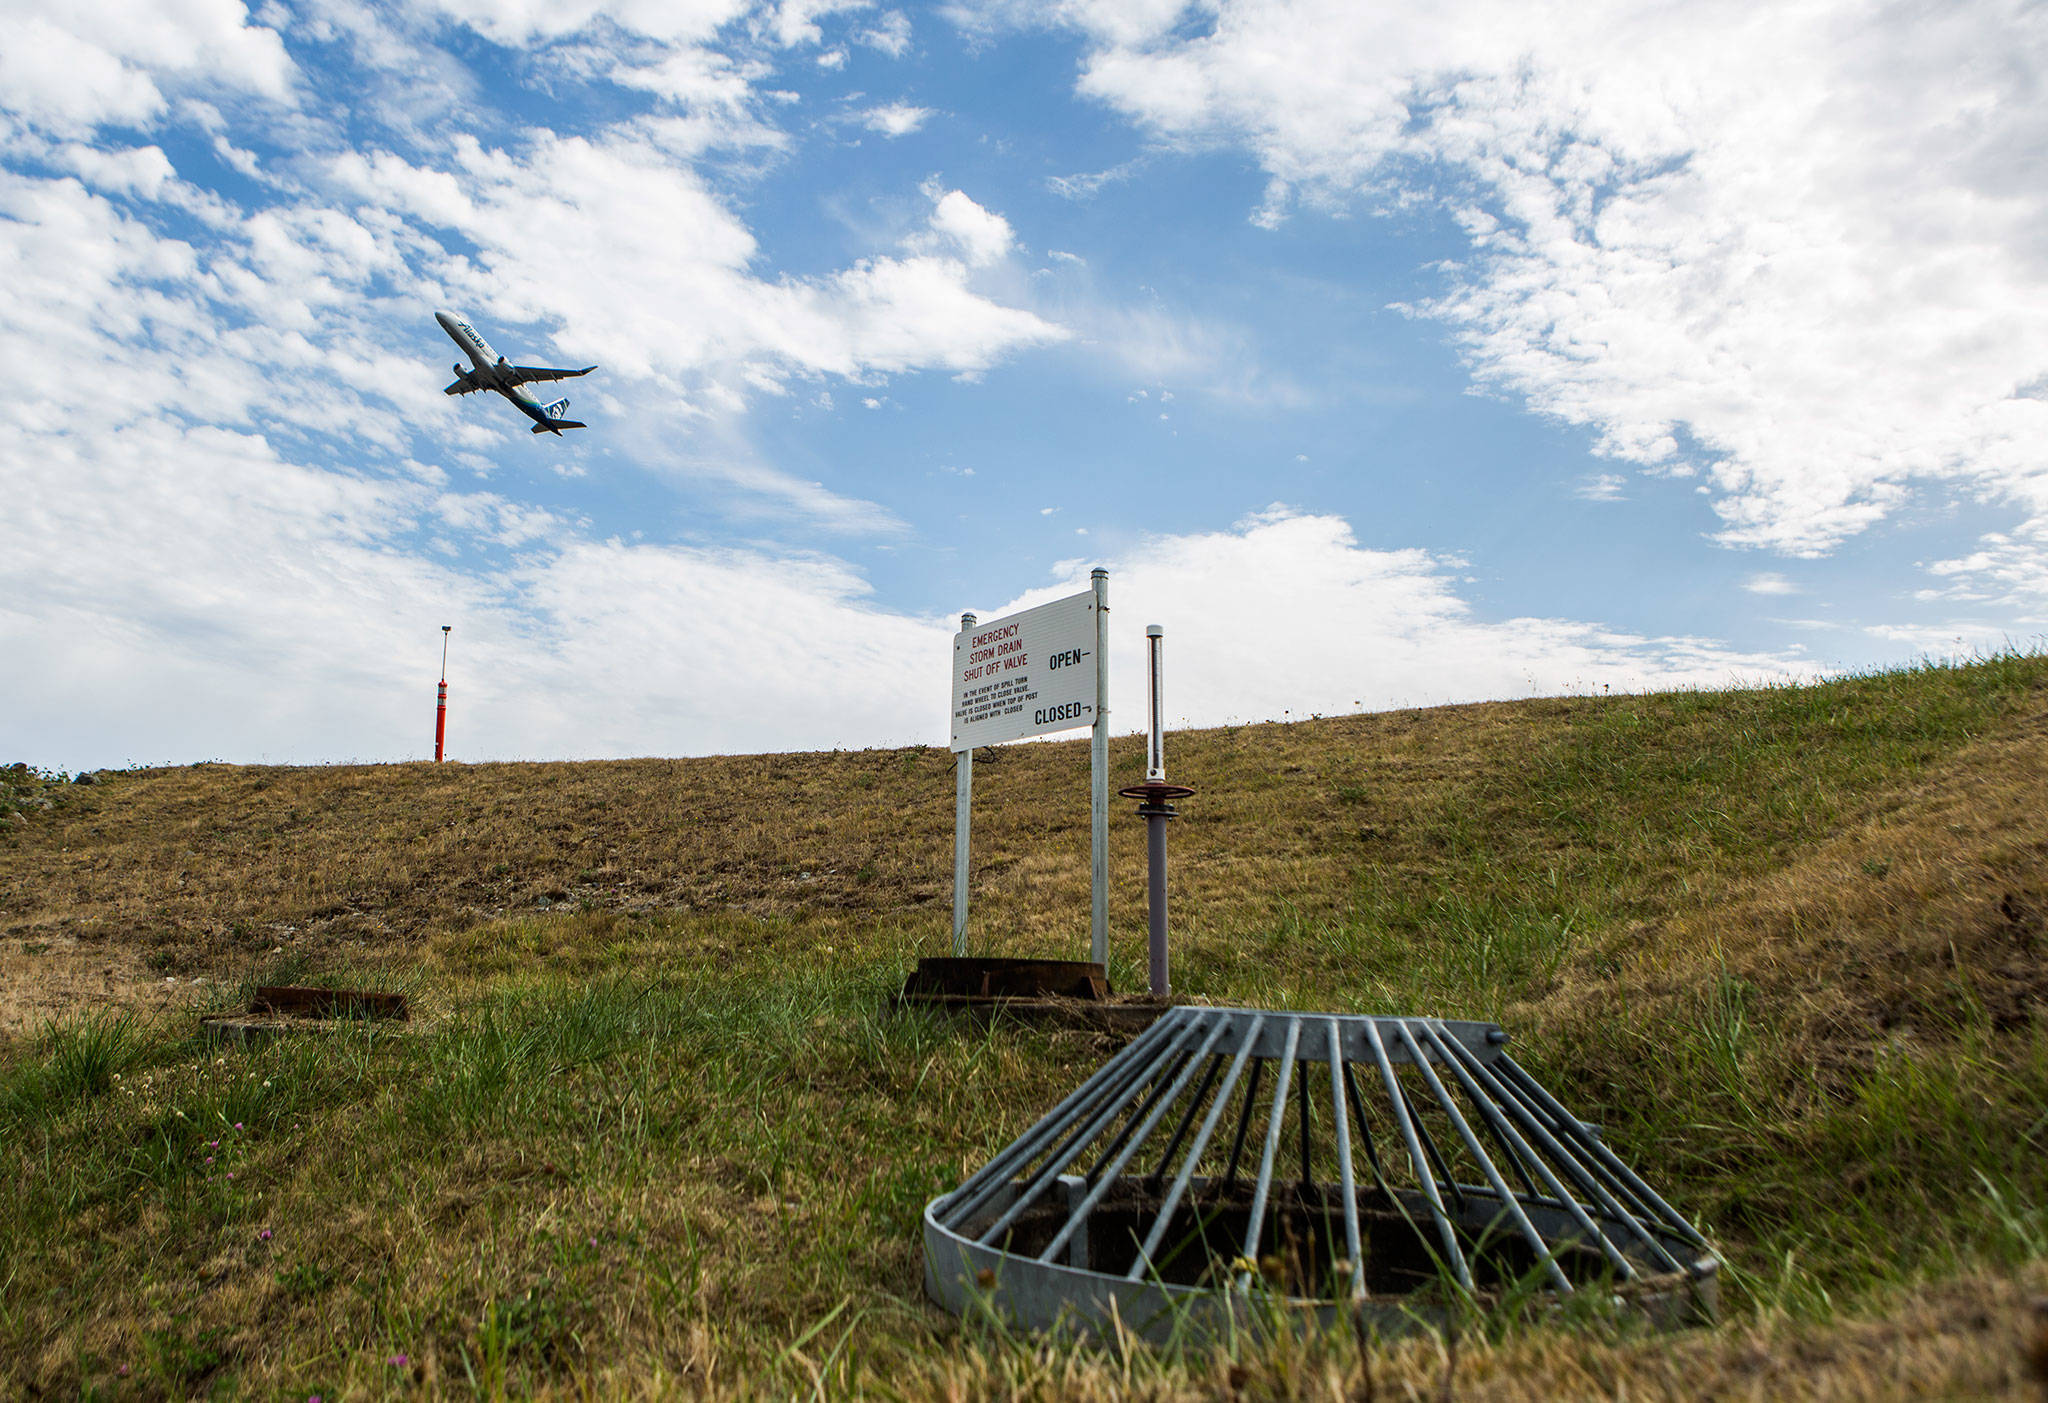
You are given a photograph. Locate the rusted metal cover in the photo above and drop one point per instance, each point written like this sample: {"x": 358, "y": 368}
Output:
{"x": 300, "y": 1002}
{"x": 942, "y": 978}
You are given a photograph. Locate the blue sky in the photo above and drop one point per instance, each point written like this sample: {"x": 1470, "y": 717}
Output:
{"x": 1385, "y": 358}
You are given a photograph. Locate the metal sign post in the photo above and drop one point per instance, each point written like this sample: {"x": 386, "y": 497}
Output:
{"x": 1029, "y": 674}
{"x": 1098, "y": 782}
{"x": 963, "y": 818}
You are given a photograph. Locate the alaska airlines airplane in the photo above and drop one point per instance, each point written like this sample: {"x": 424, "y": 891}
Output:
{"x": 492, "y": 373}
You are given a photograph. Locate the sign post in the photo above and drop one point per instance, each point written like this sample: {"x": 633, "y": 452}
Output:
{"x": 1098, "y": 782}
{"x": 963, "y": 817}
{"x": 1029, "y": 674}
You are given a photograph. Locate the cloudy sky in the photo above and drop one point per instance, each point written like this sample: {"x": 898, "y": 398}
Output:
{"x": 1384, "y": 354}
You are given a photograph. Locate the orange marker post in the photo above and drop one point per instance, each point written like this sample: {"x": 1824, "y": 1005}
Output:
{"x": 441, "y": 705}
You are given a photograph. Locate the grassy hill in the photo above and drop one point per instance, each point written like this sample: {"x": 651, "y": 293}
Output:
{"x": 653, "y": 1133}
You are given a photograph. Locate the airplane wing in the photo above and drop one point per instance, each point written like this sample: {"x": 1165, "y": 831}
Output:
{"x": 527, "y": 374}
{"x": 464, "y": 386}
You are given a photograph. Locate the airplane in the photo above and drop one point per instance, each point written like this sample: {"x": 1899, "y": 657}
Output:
{"x": 492, "y": 372}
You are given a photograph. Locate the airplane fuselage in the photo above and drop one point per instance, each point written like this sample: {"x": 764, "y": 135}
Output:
{"x": 488, "y": 365}
{"x": 492, "y": 371}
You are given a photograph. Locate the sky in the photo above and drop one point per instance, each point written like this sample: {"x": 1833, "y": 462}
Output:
{"x": 1384, "y": 355}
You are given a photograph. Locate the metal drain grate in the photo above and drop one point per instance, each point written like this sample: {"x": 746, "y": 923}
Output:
{"x": 1331, "y": 1161}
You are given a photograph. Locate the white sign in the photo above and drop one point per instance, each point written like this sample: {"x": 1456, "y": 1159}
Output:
{"x": 1025, "y": 675}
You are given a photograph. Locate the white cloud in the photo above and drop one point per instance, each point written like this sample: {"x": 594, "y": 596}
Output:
{"x": 139, "y": 171}
{"x": 890, "y": 34}
{"x": 703, "y": 651}
{"x": 303, "y": 634}
{"x": 794, "y": 23}
{"x": 519, "y": 23}
{"x": 2008, "y": 570}
{"x": 1385, "y": 629}
{"x": 648, "y": 272}
{"x": 1602, "y": 487}
{"x": 73, "y": 67}
{"x": 980, "y": 236}
{"x": 1085, "y": 185}
{"x": 1957, "y": 640}
{"x": 309, "y": 637}
{"x": 1766, "y": 582}
{"x": 895, "y": 119}
{"x": 1799, "y": 248}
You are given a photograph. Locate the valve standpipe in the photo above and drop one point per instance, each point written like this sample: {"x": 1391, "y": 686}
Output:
{"x": 441, "y": 701}
{"x": 1155, "y": 806}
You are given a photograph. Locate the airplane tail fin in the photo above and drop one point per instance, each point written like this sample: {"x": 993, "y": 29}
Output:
{"x": 556, "y": 423}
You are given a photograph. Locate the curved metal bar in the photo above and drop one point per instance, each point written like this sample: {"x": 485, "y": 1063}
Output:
{"x": 1025, "y": 1147}
{"x": 1102, "y": 1185}
{"x": 1487, "y": 1167}
{"x": 1081, "y": 1138}
{"x": 1521, "y": 1147}
{"x": 1404, "y": 1121}
{"x": 1279, "y": 1114}
{"x": 1171, "y": 1202}
{"x": 1372, "y": 1154}
{"x": 1169, "y": 1077}
{"x": 1244, "y": 1120}
{"x": 1606, "y": 1157}
{"x": 1346, "y": 1184}
{"x": 1180, "y": 1132}
{"x": 1501, "y": 1094}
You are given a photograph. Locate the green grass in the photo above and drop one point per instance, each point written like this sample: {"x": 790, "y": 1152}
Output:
{"x": 560, "y": 1170}
{"x": 666, "y": 1150}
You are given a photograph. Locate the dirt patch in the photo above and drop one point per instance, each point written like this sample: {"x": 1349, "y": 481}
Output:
{"x": 54, "y": 977}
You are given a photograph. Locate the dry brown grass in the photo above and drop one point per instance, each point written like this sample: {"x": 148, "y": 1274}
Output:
{"x": 1785, "y": 943}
